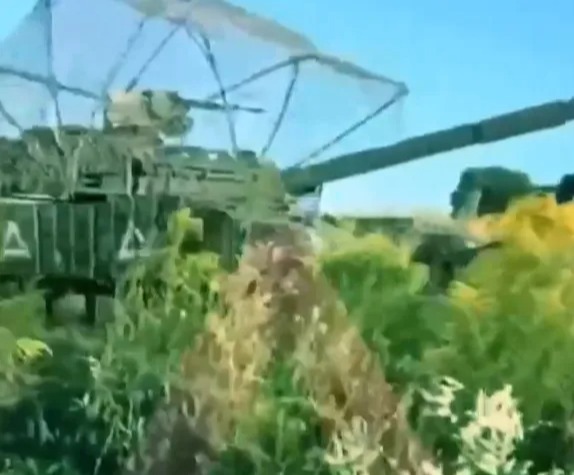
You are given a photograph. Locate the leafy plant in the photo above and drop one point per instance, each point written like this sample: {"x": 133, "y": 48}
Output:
{"x": 383, "y": 290}
{"x": 93, "y": 399}
{"x": 510, "y": 314}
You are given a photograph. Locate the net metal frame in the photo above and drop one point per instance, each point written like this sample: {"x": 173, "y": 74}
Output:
{"x": 217, "y": 100}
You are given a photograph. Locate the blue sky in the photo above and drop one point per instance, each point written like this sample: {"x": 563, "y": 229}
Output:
{"x": 462, "y": 61}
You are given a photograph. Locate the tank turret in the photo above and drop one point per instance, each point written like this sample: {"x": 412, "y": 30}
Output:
{"x": 81, "y": 204}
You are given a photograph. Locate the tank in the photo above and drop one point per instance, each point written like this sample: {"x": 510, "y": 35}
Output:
{"x": 101, "y": 140}
{"x": 78, "y": 228}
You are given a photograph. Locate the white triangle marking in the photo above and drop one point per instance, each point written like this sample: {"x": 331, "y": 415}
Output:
{"x": 13, "y": 245}
{"x": 132, "y": 243}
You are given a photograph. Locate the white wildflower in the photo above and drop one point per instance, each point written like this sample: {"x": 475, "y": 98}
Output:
{"x": 495, "y": 427}
{"x": 351, "y": 448}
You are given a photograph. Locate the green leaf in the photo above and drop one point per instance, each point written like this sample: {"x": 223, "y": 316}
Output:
{"x": 29, "y": 349}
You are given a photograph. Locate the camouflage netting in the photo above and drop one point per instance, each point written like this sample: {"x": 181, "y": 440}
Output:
{"x": 65, "y": 59}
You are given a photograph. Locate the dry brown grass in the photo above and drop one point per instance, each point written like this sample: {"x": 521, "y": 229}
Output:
{"x": 279, "y": 304}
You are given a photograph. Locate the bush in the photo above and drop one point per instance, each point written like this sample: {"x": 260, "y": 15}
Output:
{"x": 498, "y": 186}
{"x": 286, "y": 365}
{"x": 383, "y": 290}
{"x": 510, "y": 314}
{"x": 505, "y": 321}
{"x": 92, "y": 399}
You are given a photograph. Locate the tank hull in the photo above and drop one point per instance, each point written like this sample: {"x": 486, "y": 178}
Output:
{"x": 85, "y": 248}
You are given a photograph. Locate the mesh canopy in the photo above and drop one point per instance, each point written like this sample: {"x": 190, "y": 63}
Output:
{"x": 255, "y": 84}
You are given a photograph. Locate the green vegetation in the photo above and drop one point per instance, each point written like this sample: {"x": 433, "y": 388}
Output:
{"x": 337, "y": 363}
{"x": 498, "y": 186}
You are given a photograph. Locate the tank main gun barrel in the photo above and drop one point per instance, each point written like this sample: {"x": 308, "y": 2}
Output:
{"x": 545, "y": 116}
